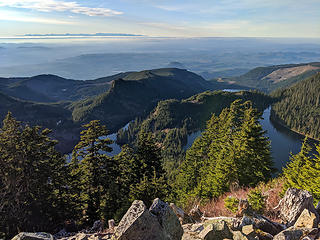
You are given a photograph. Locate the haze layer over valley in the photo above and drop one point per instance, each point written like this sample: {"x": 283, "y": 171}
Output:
{"x": 85, "y": 59}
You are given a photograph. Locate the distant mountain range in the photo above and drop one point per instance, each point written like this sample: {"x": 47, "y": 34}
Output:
{"x": 83, "y": 35}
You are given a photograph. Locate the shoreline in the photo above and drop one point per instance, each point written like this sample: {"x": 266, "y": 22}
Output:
{"x": 278, "y": 121}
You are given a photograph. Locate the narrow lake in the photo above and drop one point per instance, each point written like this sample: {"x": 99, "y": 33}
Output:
{"x": 283, "y": 141}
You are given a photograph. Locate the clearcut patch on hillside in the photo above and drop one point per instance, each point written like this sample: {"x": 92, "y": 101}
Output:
{"x": 286, "y": 73}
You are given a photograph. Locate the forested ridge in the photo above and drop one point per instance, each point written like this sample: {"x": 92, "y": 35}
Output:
{"x": 172, "y": 120}
{"x": 298, "y": 107}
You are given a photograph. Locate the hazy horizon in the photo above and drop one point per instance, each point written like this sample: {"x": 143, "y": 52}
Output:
{"x": 179, "y": 18}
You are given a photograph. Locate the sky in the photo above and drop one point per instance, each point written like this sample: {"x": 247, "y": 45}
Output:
{"x": 163, "y": 18}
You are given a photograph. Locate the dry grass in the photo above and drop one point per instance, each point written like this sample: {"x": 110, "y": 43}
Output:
{"x": 272, "y": 190}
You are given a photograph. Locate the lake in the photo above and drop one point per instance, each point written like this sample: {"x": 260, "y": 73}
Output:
{"x": 283, "y": 141}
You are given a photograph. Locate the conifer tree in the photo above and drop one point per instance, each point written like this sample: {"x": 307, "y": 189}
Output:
{"x": 303, "y": 170}
{"x": 32, "y": 179}
{"x": 92, "y": 172}
{"x": 232, "y": 151}
{"x": 150, "y": 176}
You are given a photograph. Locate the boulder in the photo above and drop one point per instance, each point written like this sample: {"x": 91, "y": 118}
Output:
{"x": 196, "y": 214}
{"x": 248, "y": 230}
{"x": 216, "y": 231}
{"x": 191, "y": 231}
{"x": 139, "y": 224}
{"x": 167, "y": 219}
{"x": 33, "y": 236}
{"x": 266, "y": 225}
{"x": 259, "y": 222}
{"x": 237, "y": 235}
{"x": 293, "y": 233}
{"x": 183, "y": 217}
{"x": 89, "y": 236}
{"x": 306, "y": 219}
{"x": 293, "y": 203}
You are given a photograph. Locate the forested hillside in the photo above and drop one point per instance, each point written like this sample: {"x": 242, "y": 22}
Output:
{"x": 136, "y": 94}
{"x": 51, "y": 88}
{"x": 298, "y": 107}
{"x": 172, "y": 120}
{"x": 34, "y": 113}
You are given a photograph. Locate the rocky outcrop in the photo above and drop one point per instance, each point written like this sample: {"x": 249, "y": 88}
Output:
{"x": 307, "y": 219}
{"x": 163, "y": 222}
{"x": 259, "y": 222}
{"x": 216, "y": 231}
{"x": 293, "y": 203}
{"x": 167, "y": 219}
{"x": 293, "y": 233}
{"x": 33, "y": 236}
{"x": 139, "y": 224}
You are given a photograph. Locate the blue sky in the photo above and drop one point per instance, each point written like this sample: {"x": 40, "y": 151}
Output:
{"x": 165, "y": 18}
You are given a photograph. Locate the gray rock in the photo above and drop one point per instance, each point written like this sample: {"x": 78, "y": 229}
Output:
{"x": 237, "y": 235}
{"x": 259, "y": 222}
{"x": 167, "y": 219}
{"x": 248, "y": 230}
{"x": 33, "y": 236}
{"x": 293, "y": 203}
{"x": 139, "y": 224}
{"x": 306, "y": 219}
{"x": 293, "y": 233}
{"x": 266, "y": 225}
{"x": 183, "y": 217}
{"x": 216, "y": 231}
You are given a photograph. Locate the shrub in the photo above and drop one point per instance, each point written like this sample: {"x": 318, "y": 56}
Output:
{"x": 256, "y": 200}
{"x": 231, "y": 203}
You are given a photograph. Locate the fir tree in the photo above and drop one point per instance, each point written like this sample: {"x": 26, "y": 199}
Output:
{"x": 232, "y": 151}
{"x": 32, "y": 179}
{"x": 303, "y": 170}
{"x": 92, "y": 171}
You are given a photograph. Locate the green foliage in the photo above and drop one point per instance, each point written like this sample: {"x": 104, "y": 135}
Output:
{"x": 136, "y": 94}
{"x": 303, "y": 170}
{"x": 256, "y": 200}
{"x": 231, "y": 203}
{"x": 172, "y": 121}
{"x": 232, "y": 150}
{"x": 92, "y": 172}
{"x": 32, "y": 179}
{"x": 148, "y": 189}
{"x": 298, "y": 107}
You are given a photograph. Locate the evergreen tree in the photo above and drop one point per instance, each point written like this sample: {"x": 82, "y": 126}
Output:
{"x": 92, "y": 172}
{"x": 141, "y": 172}
{"x": 149, "y": 154}
{"x": 32, "y": 179}
{"x": 303, "y": 170}
{"x": 232, "y": 151}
